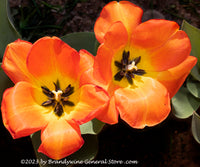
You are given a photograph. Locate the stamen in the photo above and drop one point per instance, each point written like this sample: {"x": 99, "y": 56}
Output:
{"x": 47, "y": 92}
{"x": 58, "y": 98}
{"x": 69, "y": 103}
{"x": 128, "y": 68}
{"x": 125, "y": 57}
{"x": 65, "y": 98}
{"x": 68, "y": 91}
{"x": 129, "y": 78}
{"x": 58, "y": 109}
{"x": 47, "y": 103}
{"x": 118, "y": 64}
{"x": 140, "y": 72}
{"x": 57, "y": 85}
{"x": 67, "y": 88}
{"x": 119, "y": 76}
{"x": 137, "y": 60}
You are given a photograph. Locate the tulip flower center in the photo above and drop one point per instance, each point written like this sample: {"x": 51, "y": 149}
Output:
{"x": 58, "y": 98}
{"x": 128, "y": 68}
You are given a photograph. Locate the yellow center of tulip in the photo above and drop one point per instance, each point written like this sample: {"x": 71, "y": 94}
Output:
{"x": 58, "y": 98}
{"x": 127, "y": 68}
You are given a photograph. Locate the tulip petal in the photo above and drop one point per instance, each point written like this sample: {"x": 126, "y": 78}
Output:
{"x": 126, "y": 12}
{"x": 153, "y": 33}
{"x": 106, "y": 51}
{"x": 52, "y": 57}
{"x": 109, "y": 114}
{"x": 146, "y": 105}
{"x": 14, "y": 61}
{"x": 173, "y": 78}
{"x": 88, "y": 77}
{"x": 172, "y": 53}
{"x": 160, "y": 44}
{"x": 102, "y": 68}
{"x": 22, "y": 116}
{"x": 86, "y": 60}
{"x": 60, "y": 139}
{"x": 116, "y": 37}
{"x": 91, "y": 100}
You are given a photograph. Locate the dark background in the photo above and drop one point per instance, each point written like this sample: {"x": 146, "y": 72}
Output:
{"x": 167, "y": 144}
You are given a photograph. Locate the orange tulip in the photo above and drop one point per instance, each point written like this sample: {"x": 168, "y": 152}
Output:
{"x": 48, "y": 94}
{"x": 141, "y": 65}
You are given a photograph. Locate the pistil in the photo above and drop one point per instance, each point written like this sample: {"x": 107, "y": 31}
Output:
{"x": 57, "y": 95}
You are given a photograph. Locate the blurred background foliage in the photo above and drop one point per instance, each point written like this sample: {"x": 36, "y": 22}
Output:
{"x": 36, "y": 18}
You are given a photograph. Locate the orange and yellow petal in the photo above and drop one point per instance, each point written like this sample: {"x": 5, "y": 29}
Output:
{"x": 147, "y": 104}
{"x": 86, "y": 61}
{"x": 153, "y": 33}
{"x": 22, "y": 116}
{"x": 14, "y": 60}
{"x": 115, "y": 39}
{"x": 161, "y": 52}
{"x": 173, "y": 78}
{"x": 91, "y": 100}
{"x": 52, "y": 57}
{"x": 109, "y": 114}
{"x": 128, "y": 13}
{"x": 60, "y": 138}
{"x": 89, "y": 77}
{"x": 102, "y": 63}
{"x": 172, "y": 53}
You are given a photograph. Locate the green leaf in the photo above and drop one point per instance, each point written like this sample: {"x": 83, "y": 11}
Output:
{"x": 5, "y": 82}
{"x": 193, "y": 86}
{"x": 184, "y": 103}
{"x": 196, "y": 126}
{"x": 195, "y": 72}
{"x": 8, "y": 32}
{"x": 194, "y": 35}
{"x": 82, "y": 40}
{"x": 87, "y": 152}
{"x": 92, "y": 127}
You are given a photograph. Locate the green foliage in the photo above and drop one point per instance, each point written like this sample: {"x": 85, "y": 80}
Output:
{"x": 8, "y": 32}
{"x": 193, "y": 86}
{"x": 82, "y": 40}
{"x": 184, "y": 103}
{"x": 92, "y": 127}
{"x": 196, "y": 127}
{"x": 195, "y": 72}
{"x": 187, "y": 101}
{"x": 5, "y": 82}
{"x": 194, "y": 35}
